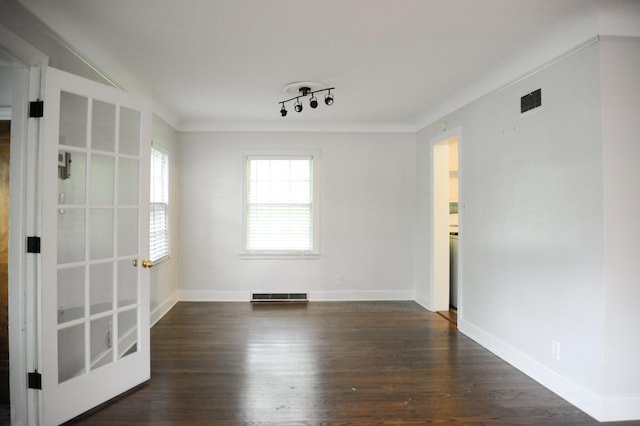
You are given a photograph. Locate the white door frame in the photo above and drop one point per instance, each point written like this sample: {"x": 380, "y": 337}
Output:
{"x": 23, "y": 303}
{"x": 440, "y": 220}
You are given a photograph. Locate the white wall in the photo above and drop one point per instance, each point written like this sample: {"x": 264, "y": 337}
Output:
{"x": 532, "y": 226}
{"x": 367, "y": 194}
{"x": 620, "y": 76}
{"x": 5, "y": 87}
{"x": 164, "y": 276}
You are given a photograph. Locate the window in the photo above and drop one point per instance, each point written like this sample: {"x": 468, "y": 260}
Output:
{"x": 280, "y": 205}
{"x": 159, "y": 207}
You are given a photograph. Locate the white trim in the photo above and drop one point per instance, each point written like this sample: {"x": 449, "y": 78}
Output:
{"x": 5, "y": 113}
{"x": 360, "y": 296}
{"x": 163, "y": 308}
{"x": 314, "y": 296}
{"x": 213, "y": 296}
{"x": 440, "y": 225}
{"x": 279, "y": 125}
{"x": 423, "y": 300}
{"x": 23, "y": 333}
{"x": 597, "y": 406}
{"x": 20, "y": 323}
{"x": 276, "y": 256}
{"x": 620, "y": 408}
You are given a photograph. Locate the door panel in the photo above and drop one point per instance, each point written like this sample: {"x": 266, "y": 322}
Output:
{"x": 95, "y": 222}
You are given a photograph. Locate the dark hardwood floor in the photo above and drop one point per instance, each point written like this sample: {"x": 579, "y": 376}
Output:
{"x": 326, "y": 363}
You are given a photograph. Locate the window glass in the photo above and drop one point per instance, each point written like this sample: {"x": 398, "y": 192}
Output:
{"x": 159, "y": 206}
{"x": 279, "y": 203}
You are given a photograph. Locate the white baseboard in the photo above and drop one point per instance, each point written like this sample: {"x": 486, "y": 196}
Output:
{"x": 355, "y": 296}
{"x": 620, "y": 408}
{"x": 423, "y": 301}
{"x": 213, "y": 296}
{"x": 162, "y": 309}
{"x": 597, "y": 406}
{"x": 317, "y": 296}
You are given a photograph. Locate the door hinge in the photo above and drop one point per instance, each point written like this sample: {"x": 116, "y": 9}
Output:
{"x": 34, "y": 380}
{"x": 33, "y": 244}
{"x": 36, "y": 109}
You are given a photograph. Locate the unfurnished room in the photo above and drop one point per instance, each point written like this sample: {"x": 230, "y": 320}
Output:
{"x": 285, "y": 212}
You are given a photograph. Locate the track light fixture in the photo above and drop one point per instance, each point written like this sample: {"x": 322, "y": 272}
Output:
{"x": 305, "y": 91}
{"x": 328, "y": 99}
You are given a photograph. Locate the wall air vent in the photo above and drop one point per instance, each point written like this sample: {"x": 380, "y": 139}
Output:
{"x": 279, "y": 297}
{"x": 531, "y": 101}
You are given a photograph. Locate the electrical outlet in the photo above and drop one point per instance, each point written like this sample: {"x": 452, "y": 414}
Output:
{"x": 338, "y": 280}
{"x": 555, "y": 350}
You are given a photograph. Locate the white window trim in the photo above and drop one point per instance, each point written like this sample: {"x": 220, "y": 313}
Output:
{"x": 280, "y": 154}
{"x": 161, "y": 148}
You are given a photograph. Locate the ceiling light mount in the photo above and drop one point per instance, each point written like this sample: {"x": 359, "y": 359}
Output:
{"x": 302, "y": 89}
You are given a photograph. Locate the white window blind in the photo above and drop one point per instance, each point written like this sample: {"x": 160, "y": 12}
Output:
{"x": 279, "y": 204}
{"x": 159, "y": 220}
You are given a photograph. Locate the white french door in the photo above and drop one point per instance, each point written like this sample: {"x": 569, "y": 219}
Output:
{"x": 95, "y": 233}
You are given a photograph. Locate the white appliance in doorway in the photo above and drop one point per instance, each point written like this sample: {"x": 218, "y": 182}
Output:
{"x": 453, "y": 269}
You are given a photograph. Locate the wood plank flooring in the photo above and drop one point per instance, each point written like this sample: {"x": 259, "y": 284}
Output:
{"x": 326, "y": 363}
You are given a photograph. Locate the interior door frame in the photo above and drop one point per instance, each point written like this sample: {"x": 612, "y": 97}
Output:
{"x": 440, "y": 220}
{"x": 23, "y": 195}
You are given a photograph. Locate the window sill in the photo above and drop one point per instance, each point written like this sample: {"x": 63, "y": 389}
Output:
{"x": 160, "y": 261}
{"x": 276, "y": 255}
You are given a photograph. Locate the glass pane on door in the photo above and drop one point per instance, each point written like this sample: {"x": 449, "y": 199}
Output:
{"x": 98, "y": 225}
{"x": 101, "y": 187}
{"x": 101, "y": 278}
{"x": 128, "y": 332}
{"x": 127, "y": 181}
{"x": 71, "y": 285}
{"x": 70, "y": 352}
{"x": 127, "y": 232}
{"x": 71, "y": 235}
{"x": 101, "y": 342}
{"x": 103, "y": 126}
{"x": 73, "y": 120}
{"x": 71, "y": 177}
{"x": 100, "y": 233}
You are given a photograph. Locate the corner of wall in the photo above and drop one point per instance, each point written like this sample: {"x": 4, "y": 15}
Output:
{"x": 162, "y": 309}
{"x": 602, "y": 408}
{"x": 423, "y": 300}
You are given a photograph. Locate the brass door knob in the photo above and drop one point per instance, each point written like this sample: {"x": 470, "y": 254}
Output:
{"x": 147, "y": 263}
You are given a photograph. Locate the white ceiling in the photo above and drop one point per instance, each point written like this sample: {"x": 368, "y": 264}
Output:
{"x": 397, "y": 65}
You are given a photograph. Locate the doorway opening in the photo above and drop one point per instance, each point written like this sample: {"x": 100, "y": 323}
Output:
{"x": 446, "y": 226}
